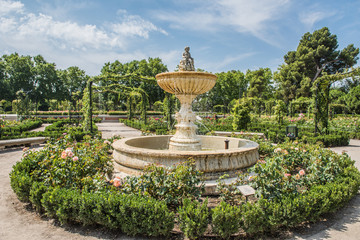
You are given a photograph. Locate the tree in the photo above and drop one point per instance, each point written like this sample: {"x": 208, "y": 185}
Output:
{"x": 315, "y": 56}
{"x": 18, "y": 74}
{"x": 229, "y": 85}
{"x": 4, "y": 83}
{"x": 259, "y": 83}
{"x": 73, "y": 83}
{"x": 134, "y": 70}
{"x": 45, "y": 82}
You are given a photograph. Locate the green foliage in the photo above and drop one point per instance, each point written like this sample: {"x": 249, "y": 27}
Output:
{"x": 139, "y": 215}
{"x": 329, "y": 140}
{"x": 294, "y": 169}
{"x": 87, "y": 107}
{"x": 241, "y": 115}
{"x": 279, "y": 111}
{"x": 169, "y": 109}
{"x": 5, "y": 106}
{"x": 38, "y": 189}
{"x": 315, "y": 55}
{"x": 21, "y": 183}
{"x": 66, "y": 164}
{"x": 229, "y": 85}
{"x": 352, "y": 100}
{"x": 16, "y": 128}
{"x": 153, "y": 125}
{"x": 225, "y": 220}
{"x": 170, "y": 185}
{"x": 158, "y": 106}
{"x": 259, "y": 83}
{"x": 133, "y": 76}
{"x": 193, "y": 218}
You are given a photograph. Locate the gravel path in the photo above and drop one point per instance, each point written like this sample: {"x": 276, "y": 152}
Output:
{"x": 18, "y": 221}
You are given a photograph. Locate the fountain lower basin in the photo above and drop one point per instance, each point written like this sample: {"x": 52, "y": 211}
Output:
{"x": 132, "y": 155}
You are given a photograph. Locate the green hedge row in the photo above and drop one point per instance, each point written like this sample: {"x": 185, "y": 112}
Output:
{"x": 159, "y": 130}
{"x": 125, "y": 113}
{"x": 20, "y": 127}
{"x": 139, "y": 215}
{"x": 328, "y": 140}
{"x": 132, "y": 214}
{"x": 305, "y": 134}
{"x": 54, "y": 131}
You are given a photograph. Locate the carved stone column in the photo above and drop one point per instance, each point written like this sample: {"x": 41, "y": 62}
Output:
{"x": 185, "y": 138}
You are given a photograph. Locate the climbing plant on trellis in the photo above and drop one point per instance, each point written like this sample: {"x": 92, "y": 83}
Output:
{"x": 134, "y": 94}
{"x": 321, "y": 89}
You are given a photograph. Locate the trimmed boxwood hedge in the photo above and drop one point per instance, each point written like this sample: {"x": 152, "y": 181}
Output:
{"x": 142, "y": 215}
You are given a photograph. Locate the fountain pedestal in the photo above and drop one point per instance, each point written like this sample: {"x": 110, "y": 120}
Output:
{"x": 185, "y": 138}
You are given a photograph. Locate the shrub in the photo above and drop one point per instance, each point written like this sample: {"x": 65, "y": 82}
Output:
{"x": 21, "y": 183}
{"x": 38, "y": 189}
{"x": 193, "y": 218}
{"x": 241, "y": 115}
{"x": 225, "y": 220}
{"x": 140, "y": 215}
{"x": 171, "y": 185}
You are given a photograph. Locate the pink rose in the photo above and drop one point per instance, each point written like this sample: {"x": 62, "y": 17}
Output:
{"x": 287, "y": 175}
{"x": 70, "y": 154}
{"x": 117, "y": 182}
{"x": 75, "y": 158}
{"x": 63, "y": 155}
{"x": 302, "y": 172}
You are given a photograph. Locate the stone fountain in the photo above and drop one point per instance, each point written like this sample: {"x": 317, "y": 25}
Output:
{"x": 186, "y": 85}
{"x": 132, "y": 155}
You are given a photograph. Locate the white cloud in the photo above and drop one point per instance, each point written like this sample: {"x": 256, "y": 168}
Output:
{"x": 309, "y": 18}
{"x": 70, "y": 34}
{"x": 42, "y": 28}
{"x": 133, "y": 25}
{"x": 240, "y": 15}
{"x": 8, "y": 6}
{"x": 218, "y": 66}
{"x": 250, "y": 16}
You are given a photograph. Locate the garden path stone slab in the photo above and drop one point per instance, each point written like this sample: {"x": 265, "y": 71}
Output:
{"x": 111, "y": 129}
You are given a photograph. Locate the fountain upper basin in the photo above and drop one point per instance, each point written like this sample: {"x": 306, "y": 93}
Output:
{"x": 132, "y": 155}
{"x": 192, "y": 83}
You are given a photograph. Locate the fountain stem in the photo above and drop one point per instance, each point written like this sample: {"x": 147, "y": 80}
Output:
{"x": 185, "y": 138}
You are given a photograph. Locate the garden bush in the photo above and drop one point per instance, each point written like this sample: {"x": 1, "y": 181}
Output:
{"x": 16, "y": 128}
{"x": 170, "y": 185}
{"x": 225, "y": 220}
{"x": 193, "y": 218}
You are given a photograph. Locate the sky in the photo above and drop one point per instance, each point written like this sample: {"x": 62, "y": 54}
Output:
{"x": 223, "y": 35}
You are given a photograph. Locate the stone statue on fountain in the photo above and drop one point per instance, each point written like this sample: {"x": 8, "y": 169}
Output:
{"x": 187, "y": 62}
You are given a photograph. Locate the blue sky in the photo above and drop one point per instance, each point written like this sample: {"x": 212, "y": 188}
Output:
{"x": 223, "y": 35}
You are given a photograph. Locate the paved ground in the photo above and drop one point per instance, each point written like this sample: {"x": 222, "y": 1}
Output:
{"x": 18, "y": 222}
{"x": 110, "y": 129}
{"x": 42, "y": 128}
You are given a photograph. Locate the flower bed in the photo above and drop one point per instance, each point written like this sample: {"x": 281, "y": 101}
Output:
{"x": 294, "y": 183}
{"x": 20, "y": 130}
